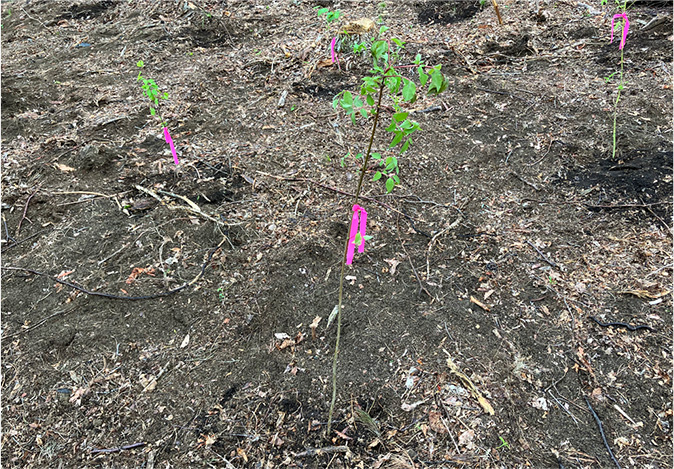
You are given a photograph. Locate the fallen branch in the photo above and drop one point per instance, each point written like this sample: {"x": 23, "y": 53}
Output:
{"x": 486, "y": 406}
{"x": 421, "y": 285}
{"x": 16, "y": 243}
{"x": 541, "y": 254}
{"x": 8, "y": 237}
{"x": 601, "y": 432}
{"x": 41, "y": 322}
{"x": 530, "y": 184}
{"x": 25, "y": 210}
{"x": 194, "y": 208}
{"x": 321, "y": 451}
{"x": 118, "y": 449}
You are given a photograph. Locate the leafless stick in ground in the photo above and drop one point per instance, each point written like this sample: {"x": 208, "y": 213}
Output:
{"x": 25, "y": 210}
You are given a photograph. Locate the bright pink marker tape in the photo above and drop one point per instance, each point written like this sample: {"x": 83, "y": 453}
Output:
{"x": 357, "y": 209}
{"x": 335, "y": 58}
{"x": 169, "y": 140}
{"x": 625, "y": 28}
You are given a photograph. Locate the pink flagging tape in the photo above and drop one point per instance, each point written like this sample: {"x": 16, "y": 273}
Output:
{"x": 356, "y": 227}
{"x": 626, "y": 28}
{"x": 169, "y": 140}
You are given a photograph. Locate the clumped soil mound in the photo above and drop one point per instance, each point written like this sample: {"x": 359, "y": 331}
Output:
{"x": 515, "y": 294}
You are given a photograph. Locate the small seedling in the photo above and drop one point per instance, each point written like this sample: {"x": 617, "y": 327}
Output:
{"x": 385, "y": 75}
{"x": 153, "y": 93}
{"x": 330, "y": 16}
{"x": 504, "y": 443}
{"x": 622, "y": 7}
{"x": 359, "y": 48}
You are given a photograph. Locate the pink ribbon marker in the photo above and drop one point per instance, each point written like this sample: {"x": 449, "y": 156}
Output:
{"x": 169, "y": 140}
{"x": 357, "y": 210}
{"x": 625, "y": 28}
{"x": 332, "y": 50}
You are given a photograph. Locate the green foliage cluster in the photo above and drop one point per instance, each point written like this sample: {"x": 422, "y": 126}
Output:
{"x": 401, "y": 90}
{"x": 152, "y": 92}
{"x": 622, "y": 7}
{"x": 330, "y": 16}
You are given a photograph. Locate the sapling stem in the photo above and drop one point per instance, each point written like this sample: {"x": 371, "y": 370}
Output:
{"x": 615, "y": 111}
{"x": 346, "y": 249}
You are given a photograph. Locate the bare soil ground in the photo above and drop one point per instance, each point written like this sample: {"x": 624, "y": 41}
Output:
{"x": 513, "y": 228}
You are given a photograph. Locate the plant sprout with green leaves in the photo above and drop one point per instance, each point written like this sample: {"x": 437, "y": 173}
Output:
{"x": 153, "y": 93}
{"x": 384, "y": 76}
{"x": 330, "y": 16}
{"x": 622, "y": 8}
{"x": 504, "y": 443}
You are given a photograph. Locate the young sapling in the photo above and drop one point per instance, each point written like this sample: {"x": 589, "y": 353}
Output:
{"x": 385, "y": 76}
{"x": 154, "y": 94}
{"x": 622, "y": 6}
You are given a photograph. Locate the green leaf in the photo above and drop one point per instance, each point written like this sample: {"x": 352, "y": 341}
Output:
{"x": 400, "y": 116}
{"x": 417, "y": 59}
{"x": 367, "y": 237}
{"x": 436, "y": 80}
{"x": 358, "y": 240}
{"x": 396, "y": 179}
{"x": 358, "y": 102}
{"x": 423, "y": 77}
{"x": 370, "y": 100}
{"x": 376, "y": 69}
{"x": 363, "y": 112}
{"x": 409, "y": 91}
{"x": 333, "y": 16}
{"x": 152, "y": 111}
{"x": 375, "y": 156}
{"x": 140, "y": 64}
{"x": 359, "y": 156}
{"x": 393, "y": 84}
{"x": 379, "y": 50}
{"x": 392, "y": 127}
{"x": 396, "y": 140}
{"x": 398, "y": 42}
{"x": 165, "y": 96}
{"x": 383, "y": 29}
{"x": 406, "y": 145}
{"x": 376, "y": 176}
{"x": 390, "y": 184}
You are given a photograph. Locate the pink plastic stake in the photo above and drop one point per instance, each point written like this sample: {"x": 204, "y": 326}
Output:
{"x": 354, "y": 230}
{"x": 625, "y": 28}
{"x": 169, "y": 140}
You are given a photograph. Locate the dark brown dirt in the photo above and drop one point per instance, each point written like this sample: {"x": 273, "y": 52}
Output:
{"x": 513, "y": 225}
